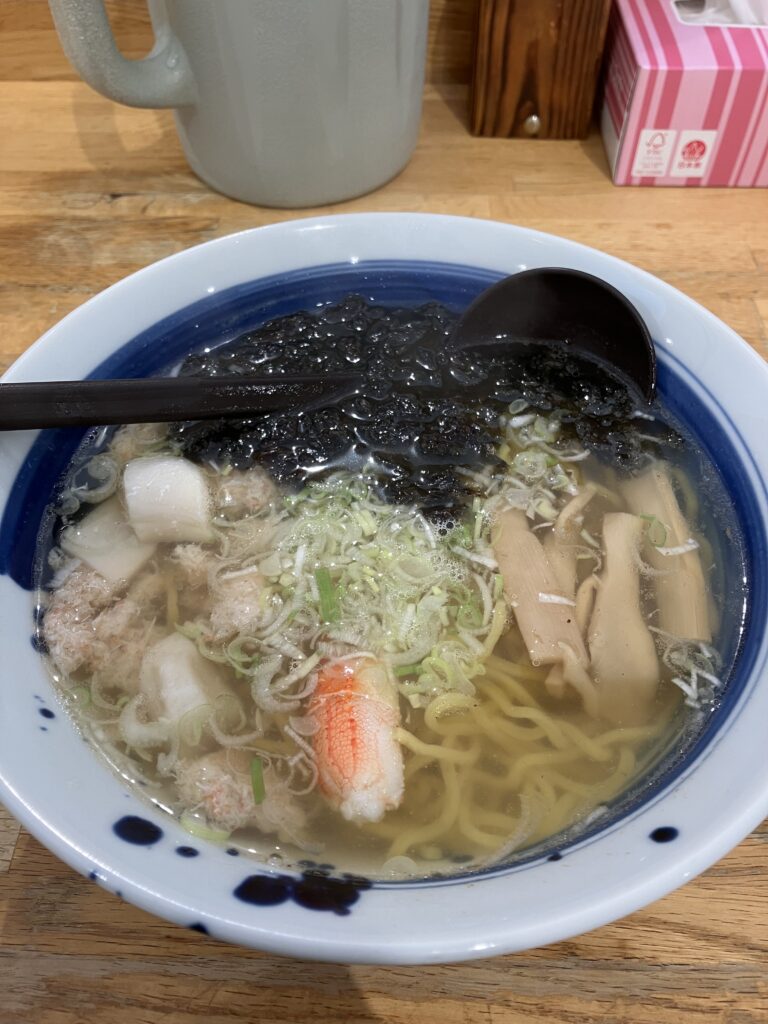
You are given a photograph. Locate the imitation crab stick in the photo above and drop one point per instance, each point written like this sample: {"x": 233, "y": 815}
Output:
{"x": 359, "y": 762}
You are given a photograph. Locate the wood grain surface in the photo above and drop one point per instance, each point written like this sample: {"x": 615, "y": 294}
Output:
{"x": 90, "y": 192}
{"x": 30, "y": 51}
{"x": 537, "y": 60}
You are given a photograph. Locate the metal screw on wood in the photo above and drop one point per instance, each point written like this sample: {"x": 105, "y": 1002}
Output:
{"x": 532, "y": 124}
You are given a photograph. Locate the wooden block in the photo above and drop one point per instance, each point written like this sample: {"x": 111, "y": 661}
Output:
{"x": 537, "y": 59}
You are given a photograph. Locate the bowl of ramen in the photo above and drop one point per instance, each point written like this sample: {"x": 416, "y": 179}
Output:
{"x": 469, "y": 661}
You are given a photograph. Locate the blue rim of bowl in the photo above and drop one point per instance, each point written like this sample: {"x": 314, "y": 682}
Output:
{"x": 234, "y": 310}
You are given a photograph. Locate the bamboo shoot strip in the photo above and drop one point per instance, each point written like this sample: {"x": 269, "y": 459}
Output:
{"x": 546, "y": 626}
{"x": 681, "y": 592}
{"x": 624, "y": 661}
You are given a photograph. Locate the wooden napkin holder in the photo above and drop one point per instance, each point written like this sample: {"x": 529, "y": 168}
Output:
{"x": 536, "y": 67}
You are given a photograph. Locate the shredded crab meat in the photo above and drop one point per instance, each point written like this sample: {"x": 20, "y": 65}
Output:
{"x": 239, "y": 604}
{"x": 238, "y": 493}
{"x": 137, "y": 439}
{"x": 91, "y": 625}
{"x": 195, "y": 564}
{"x": 694, "y": 666}
{"x": 218, "y": 786}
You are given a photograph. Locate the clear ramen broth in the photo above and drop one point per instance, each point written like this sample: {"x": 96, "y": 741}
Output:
{"x": 431, "y": 628}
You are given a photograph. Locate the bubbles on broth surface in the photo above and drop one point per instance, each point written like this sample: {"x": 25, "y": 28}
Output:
{"x": 378, "y": 544}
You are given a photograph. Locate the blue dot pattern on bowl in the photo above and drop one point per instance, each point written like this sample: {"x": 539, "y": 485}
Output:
{"x": 664, "y": 834}
{"x": 313, "y": 890}
{"x": 38, "y": 643}
{"x": 138, "y": 831}
{"x": 246, "y": 306}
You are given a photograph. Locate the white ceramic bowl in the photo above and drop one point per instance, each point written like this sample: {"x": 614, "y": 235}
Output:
{"x": 63, "y": 794}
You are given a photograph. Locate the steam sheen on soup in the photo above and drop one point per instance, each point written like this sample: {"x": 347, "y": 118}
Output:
{"x": 434, "y": 625}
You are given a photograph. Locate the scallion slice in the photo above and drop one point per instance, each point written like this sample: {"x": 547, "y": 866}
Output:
{"x": 408, "y": 670}
{"x": 257, "y": 780}
{"x": 329, "y": 599}
{"x": 657, "y": 531}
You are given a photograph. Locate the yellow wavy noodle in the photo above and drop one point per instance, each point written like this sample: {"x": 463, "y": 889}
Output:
{"x": 509, "y": 762}
{"x": 435, "y": 751}
{"x": 442, "y": 824}
{"x": 471, "y": 824}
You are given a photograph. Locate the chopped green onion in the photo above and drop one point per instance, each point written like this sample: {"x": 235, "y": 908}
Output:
{"x": 408, "y": 670}
{"x": 329, "y": 599}
{"x": 498, "y": 625}
{"x": 545, "y": 429}
{"x": 257, "y": 780}
{"x": 461, "y": 535}
{"x": 191, "y": 724}
{"x": 546, "y": 509}
{"x": 530, "y": 464}
{"x": 679, "y": 549}
{"x": 469, "y": 615}
{"x": 657, "y": 531}
{"x": 198, "y": 827}
{"x": 81, "y": 696}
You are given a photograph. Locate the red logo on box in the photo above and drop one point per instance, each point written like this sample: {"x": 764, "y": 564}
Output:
{"x": 694, "y": 150}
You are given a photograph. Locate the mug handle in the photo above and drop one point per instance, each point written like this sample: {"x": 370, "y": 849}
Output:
{"x": 163, "y": 79}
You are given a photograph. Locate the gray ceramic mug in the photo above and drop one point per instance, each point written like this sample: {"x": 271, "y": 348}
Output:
{"x": 278, "y": 102}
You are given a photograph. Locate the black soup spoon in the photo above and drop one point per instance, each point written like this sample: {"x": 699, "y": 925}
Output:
{"x": 568, "y": 307}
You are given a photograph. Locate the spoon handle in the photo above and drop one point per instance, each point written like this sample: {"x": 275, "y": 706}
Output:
{"x": 85, "y": 403}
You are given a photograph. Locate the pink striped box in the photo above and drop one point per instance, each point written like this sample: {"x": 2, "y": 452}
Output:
{"x": 683, "y": 103}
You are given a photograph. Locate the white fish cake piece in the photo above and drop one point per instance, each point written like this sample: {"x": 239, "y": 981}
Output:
{"x": 175, "y": 678}
{"x": 105, "y": 541}
{"x": 168, "y": 500}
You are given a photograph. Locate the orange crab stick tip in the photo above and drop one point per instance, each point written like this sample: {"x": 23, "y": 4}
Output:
{"x": 359, "y": 761}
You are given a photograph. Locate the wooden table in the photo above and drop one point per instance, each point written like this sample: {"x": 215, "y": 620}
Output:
{"x": 90, "y": 192}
